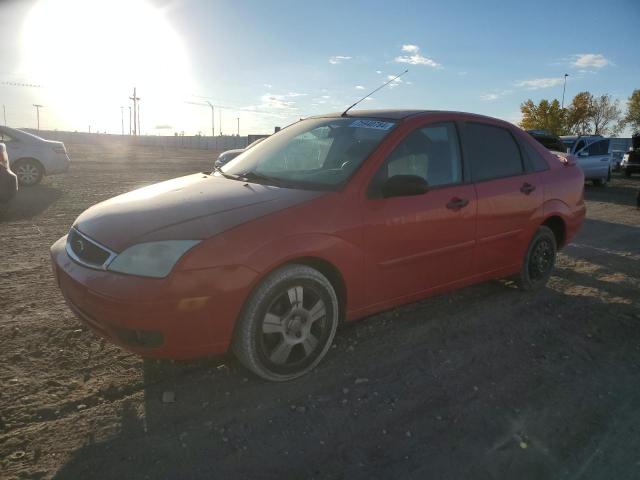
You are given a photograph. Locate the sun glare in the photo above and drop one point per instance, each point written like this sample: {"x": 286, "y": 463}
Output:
{"x": 89, "y": 54}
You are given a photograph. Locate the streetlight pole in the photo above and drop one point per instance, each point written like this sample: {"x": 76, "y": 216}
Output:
{"x": 213, "y": 130}
{"x": 563, "y": 89}
{"x": 38, "y": 107}
{"x": 122, "y": 120}
{"x": 238, "y": 118}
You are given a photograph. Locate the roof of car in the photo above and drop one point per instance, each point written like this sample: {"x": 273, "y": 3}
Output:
{"x": 393, "y": 114}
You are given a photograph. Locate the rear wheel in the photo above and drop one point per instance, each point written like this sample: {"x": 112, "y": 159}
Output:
{"x": 29, "y": 172}
{"x": 288, "y": 324}
{"x": 539, "y": 261}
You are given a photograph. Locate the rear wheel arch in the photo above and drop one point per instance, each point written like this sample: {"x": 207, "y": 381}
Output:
{"x": 559, "y": 228}
{"x": 15, "y": 166}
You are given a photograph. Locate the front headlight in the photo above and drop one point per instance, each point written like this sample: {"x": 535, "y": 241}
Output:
{"x": 153, "y": 259}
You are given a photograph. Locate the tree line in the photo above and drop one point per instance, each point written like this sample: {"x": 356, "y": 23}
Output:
{"x": 587, "y": 114}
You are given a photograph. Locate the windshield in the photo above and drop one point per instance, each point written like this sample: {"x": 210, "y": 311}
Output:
{"x": 316, "y": 153}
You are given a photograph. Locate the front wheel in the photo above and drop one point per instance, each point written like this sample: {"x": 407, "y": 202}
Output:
{"x": 539, "y": 261}
{"x": 288, "y": 324}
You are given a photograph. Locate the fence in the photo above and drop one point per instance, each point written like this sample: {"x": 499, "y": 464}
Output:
{"x": 226, "y": 142}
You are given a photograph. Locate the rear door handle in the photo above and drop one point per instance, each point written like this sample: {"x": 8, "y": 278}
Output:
{"x": 457, "y": 203}
{"x": 527, "y": 188}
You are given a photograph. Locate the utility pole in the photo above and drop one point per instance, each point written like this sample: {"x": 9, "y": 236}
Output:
{"x": 220, "y": 120}
{"x": 563, "y": 89}
{"x": 238, "y": 118}
{"x": 4, "y": 114}
{"x": 38, "y": 107}
{"x": 129, "y": 119}
{"x": 122, "y": 120}
{"x": 135, "y": 100}
{"x": 213, "y": 129}
{"x": 139, "y": 129}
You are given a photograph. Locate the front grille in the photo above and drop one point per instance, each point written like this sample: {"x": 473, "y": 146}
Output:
{"x": 85, "y": 250}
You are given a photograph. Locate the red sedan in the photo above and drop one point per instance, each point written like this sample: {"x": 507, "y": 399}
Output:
{"x": 333, "y": 218}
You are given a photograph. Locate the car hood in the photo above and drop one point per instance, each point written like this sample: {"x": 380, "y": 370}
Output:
{"x": 193, "y": 207}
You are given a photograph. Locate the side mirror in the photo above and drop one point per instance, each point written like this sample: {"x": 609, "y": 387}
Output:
{"x": 404, "y": 186}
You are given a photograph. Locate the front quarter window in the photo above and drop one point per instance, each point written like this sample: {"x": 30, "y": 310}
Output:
{"x": 316, "y": 153}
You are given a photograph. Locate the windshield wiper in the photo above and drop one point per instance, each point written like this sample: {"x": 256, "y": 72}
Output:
{"x": 259, "y": 178}
{"x": 226, "y": 175}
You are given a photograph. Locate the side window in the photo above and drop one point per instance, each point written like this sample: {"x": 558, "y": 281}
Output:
{"x": 535, "y": 161}
{"x": 579, "y": 146}
{"x": 432, "y": 153}
{"x": 598, "y": 148}
{"x": 492, "y": 152}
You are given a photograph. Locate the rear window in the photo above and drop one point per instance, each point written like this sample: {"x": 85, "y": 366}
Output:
{"x": 535, "y": 161}
{"x": 492, "y": 152}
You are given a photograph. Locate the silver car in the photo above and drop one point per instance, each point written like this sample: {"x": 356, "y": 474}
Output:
{"x": 593, "y": 156}
{"x": 32, "y": 157}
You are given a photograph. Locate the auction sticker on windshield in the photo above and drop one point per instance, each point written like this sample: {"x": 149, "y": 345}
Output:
{"x": 375, "y": 124}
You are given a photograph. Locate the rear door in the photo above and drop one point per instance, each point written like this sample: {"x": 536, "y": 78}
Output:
{"x": 595, "y": 159}
{"x": 508, "y": 195}
{"x": 416, "y": 243}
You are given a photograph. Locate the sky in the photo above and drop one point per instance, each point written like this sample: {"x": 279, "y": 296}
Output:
{"x": 270, "y": 63}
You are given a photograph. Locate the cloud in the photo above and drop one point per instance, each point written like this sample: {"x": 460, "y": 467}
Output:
{"x": 395, "y": 82}
{"x": 410, "y": 48}
{"x": 279, "y": 101}
{"x": 359, "y": 87}
{"x": 536, "y": 83}
{"x": 463, "y": 73}
{"x": 338, "y": 59}
{"x": 378, "y": 72}
{"x": 589, "y": 60}
{"x": 492, "y": 96}
{"x": 414, "y": 57}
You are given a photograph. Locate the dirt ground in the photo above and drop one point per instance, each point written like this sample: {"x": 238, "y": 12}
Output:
{"x": 484, "y": 383}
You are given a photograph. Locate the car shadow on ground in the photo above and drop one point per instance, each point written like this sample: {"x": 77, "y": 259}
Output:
{"x": 30, "y": 202}
{"x": 486, "y": 382}
{"x": 622, "y": 192}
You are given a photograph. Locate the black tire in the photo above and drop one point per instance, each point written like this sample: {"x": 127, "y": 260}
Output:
{"x": 29, "y": 172}
{"x": 288, "y": 324}
{"x": 602, "y": 182}
{"x": 539, "y": 261}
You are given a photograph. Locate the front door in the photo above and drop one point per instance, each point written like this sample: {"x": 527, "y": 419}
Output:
{"x": 415, "y": 243}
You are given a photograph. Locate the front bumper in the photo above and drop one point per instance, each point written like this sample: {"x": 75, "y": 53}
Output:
{"x": 187, "y": 315}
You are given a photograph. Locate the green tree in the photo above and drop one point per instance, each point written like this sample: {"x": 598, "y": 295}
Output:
{"x": 632, "y": 117}
{"x": 578, "y": 115}
{"x": 544, "y": 116}
{"x": 605, "y": 115}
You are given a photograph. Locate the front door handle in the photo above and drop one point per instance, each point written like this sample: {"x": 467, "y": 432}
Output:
{"x": 457, "y": 203}
{"x": 527, "y": 188}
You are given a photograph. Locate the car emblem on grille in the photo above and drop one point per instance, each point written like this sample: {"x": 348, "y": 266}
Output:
{"x": 80, "y": 245}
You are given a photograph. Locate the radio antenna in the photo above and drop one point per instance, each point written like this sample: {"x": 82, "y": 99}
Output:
{"x": 344, "y": 114}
